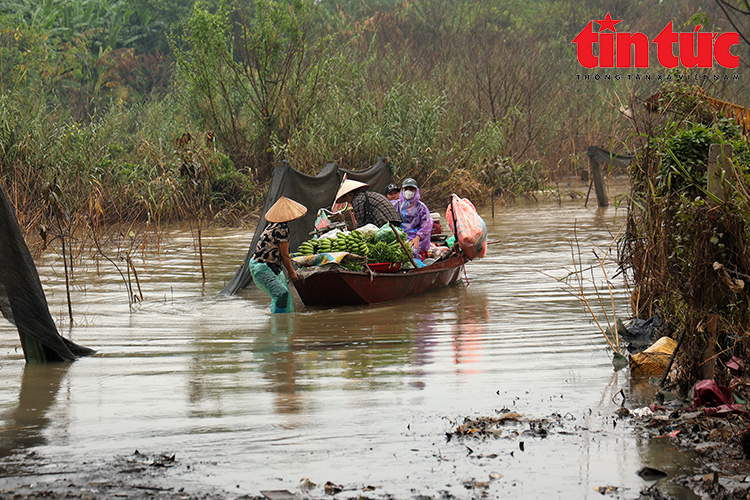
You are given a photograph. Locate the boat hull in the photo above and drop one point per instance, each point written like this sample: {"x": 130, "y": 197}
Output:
{"x": 343, "y": 287}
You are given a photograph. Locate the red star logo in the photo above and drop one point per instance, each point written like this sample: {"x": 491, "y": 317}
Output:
{"x": 607, "y": 23}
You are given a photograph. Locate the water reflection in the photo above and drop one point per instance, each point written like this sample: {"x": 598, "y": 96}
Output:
{"x": 25, "y": 425}
{"x": 469, "y": 331}
{"x": 295, "y": 354}
{"x": 278, "y": 363}
{"x": 351, "y": 395}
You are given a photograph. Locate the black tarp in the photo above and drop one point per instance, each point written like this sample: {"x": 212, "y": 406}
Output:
{"x": 314, "y": 193}
{"x": 22, "y": 299}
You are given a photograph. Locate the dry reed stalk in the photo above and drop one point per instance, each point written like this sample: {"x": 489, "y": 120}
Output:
{"x": 67, "y": 279}
{"x": 200, "y": 252}
{"x": 584, "y": 300}
{"x": 129, "y": 265}
{"x": 137, "y": 282}
{"x": 612, "y": 301}
{"x": 579, "y": 292}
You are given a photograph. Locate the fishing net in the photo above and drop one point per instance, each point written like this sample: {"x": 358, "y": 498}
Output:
{"x": 22, "y": 300}
{"x": 275, "y": 286}
{"x": 314, "y": 192}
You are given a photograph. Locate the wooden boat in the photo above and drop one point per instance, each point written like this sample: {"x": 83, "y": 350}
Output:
{"x": 336, "y": 286}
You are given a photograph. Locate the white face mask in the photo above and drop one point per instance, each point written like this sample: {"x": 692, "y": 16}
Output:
{"x": 408, "y": 194}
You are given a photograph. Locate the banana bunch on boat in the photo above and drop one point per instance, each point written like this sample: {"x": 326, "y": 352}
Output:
{"x": 387, "y": 252}
{"x": 352, "y": 242}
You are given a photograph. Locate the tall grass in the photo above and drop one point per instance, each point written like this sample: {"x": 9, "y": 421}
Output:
{"x": 121, "y": 164}
{"x": 466, "y": 106}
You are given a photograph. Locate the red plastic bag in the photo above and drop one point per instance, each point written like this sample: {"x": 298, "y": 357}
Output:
{"x": 470, "y": 229}
{"x": 322, "y": 221}
{"x": 709, "y": 393}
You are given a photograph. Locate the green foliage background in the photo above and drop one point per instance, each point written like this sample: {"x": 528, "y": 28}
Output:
{"x": 468, "y": 96}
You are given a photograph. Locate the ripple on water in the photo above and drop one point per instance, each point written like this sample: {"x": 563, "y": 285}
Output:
{"x": 356, "y": 396}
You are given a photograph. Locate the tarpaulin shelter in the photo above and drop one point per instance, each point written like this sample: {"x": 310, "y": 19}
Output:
{"x": 22, "y": 300}
{"x": 314, "y": 192}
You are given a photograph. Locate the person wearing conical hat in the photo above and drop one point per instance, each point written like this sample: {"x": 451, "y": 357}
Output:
{"x": 368, "y": 207}
{"x": 272, "y": 251}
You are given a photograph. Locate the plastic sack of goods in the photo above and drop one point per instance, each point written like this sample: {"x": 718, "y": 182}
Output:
{"x": 470, "y": 229}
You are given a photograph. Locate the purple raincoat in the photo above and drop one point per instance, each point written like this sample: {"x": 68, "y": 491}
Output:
{"x": 417, "y": 220}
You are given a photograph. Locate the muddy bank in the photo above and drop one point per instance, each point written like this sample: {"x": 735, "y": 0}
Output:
{"x": 137, "y": 476}
{"x": 717, "y": 437}
{"x": 717, "y": 474}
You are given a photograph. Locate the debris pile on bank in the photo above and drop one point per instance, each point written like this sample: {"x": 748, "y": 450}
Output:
{"x": 714, "y": 429}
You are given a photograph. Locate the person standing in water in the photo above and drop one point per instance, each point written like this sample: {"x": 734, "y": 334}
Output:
{"x": 272, "y": 251}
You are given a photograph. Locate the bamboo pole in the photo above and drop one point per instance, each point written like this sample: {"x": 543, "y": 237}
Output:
{"x": 403, "y": 246}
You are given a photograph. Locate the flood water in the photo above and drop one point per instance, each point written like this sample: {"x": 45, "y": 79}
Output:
{"x": 248, "y": 401}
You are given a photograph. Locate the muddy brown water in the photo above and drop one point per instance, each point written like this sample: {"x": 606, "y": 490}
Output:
{"x": 248, "y": 401}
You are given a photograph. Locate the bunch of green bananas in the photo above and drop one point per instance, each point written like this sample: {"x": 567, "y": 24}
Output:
{"x": 387, "y": 252}
{"x": 353, "y": 242}
{"x": 308, "y": 247}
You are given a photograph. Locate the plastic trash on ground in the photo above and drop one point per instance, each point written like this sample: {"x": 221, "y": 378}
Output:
{"x": 654, "y": 360}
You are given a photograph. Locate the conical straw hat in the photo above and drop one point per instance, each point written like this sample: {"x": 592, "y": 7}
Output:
{"x": 348, "y": 186}
{"x": 285, "y": 210}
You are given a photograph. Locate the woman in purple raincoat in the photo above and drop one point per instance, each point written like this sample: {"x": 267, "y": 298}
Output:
{"x": 417, "y": 222}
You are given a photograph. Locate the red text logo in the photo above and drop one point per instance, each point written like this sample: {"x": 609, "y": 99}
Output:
{"x": 623, "y": 50}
